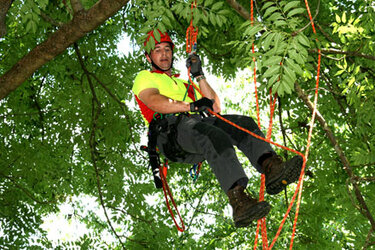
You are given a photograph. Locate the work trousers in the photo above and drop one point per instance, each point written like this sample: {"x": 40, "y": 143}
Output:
{"x": 211, "y": 139}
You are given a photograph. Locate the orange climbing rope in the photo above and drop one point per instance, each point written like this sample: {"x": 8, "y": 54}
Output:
{"x": 168, "y": 192}
{"x": 191, "y": 37}
{"x": 191, "y": 32}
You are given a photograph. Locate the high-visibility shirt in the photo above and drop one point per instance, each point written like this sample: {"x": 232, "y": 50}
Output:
{"x": 170, "y": 86}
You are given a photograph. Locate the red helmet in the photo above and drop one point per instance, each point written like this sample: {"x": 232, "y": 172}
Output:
{"x": 163, "y": 38}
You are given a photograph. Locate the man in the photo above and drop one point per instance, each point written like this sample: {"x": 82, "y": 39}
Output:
{"x": 185, "y": 135}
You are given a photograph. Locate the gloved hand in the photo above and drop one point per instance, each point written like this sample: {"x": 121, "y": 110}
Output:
{"x": 195, "y": 63}
{"x": 201, "y": 104}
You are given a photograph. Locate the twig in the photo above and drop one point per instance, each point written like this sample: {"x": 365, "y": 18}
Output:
{"x": 28, "y": 113}
{"x": 28, "y": 194}
{"x": 341, "y": 52}
{"x": 95, "y": 113}
{"x": 310, "y": 22}
{"x": 283, "y": 132}
{"x": 50, "y": 19}
{"x": 368, "y": 238}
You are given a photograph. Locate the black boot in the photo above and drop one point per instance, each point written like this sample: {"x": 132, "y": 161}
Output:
{"x": 245, "y": 208}
{"x": 279, "y": 174}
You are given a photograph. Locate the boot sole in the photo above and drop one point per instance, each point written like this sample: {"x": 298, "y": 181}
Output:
{"x": 258, "y": 212}
{"x": 289, "y": 175}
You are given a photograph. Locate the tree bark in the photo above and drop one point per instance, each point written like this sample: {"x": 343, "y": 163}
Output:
{"x": 82, "y": 23}
{"x": 239, "y": 8}
{"x": 4, "y": 7}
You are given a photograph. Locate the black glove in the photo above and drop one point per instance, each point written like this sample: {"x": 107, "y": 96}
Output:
{"x": 201, "y": 104}
{"x": 195, "y": 64}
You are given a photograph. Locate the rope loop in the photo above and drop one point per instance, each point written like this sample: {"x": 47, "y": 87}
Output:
{"x": 167, "y": 192}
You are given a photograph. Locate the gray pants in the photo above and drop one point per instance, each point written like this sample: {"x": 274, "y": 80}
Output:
{"x": 211, "y": 139}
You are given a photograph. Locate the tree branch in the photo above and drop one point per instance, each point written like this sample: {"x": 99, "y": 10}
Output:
{"x": 95, "y": 113}
{"x": 76, "y": 6}
{"x": 27, "y": 192}
{"x": 81, "y": 24}
{"x": 347, "y": 53}
{"x": 4, "y": 7}
{"x": 340, "y": 153}
{"x": 239, "y": 8}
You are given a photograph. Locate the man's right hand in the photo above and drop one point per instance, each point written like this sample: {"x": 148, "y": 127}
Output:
{"x": 202, "y": 105}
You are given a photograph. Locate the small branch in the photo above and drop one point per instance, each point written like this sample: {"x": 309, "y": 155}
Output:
{"x": 50, "y": 20}
{"x": 239, "y": 8}
{"x": 24, "y": 190}
{"x": 68, "y": 8}
{"x": 283, "y": 132}
{"x": 95, "y": 113}
{"x": 340, "y": 152}
{"x": 193, "y": 216}
{"x": 114, "y": 97}
{"x": 364, "y": 165}
{"x": 347, "y": 53}
{"x": 312, "y": 20}
{"x": 367, "y": 179}
{"x": 325, "y": 34}
{"x": 368, "y": 239}
{"x": 27, "y": 114}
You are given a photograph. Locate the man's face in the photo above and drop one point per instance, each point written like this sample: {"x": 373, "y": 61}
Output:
{"x": 161, "y": 55}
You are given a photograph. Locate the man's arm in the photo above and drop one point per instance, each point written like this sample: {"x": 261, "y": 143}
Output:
{"x": 194, "y": 63}
{"x": 208, "y": 92}
{"x": 162, "y": 104}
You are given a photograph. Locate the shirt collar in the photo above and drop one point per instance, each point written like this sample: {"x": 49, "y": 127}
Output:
{"x": 162, "y": 72}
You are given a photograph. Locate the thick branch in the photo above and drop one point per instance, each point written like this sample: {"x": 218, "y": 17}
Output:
{"x": 348, "y": 53}
{"x": 82, "y": 23}
{"x": 340, "y": 152}
{"x": 240, "y": 10}
{"x": 76, "y": 5}
{"x": 4, "y": 7}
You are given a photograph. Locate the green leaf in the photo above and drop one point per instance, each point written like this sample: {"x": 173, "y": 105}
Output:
{"x": 208, "y": 2}
{"x": 156, "y": 35}
{"x": 295, "y": 11}
{"x": 275, "y": 16}
{"x": 269, "y": 11}
{"x": 271, "y": 71}
{"x": 217, "y": 6}
{"x": 267, "y": 4}
{"x": 343, "y": 17}
{"x": 212, "y": 18}
{"x": 303, "y": 39}
{"x": 290, "y": 5}
{"x": 294, "y": 66}
{"x": 280, "y": 23}
{"x": 268, "y": 40}
{"x": 272, "y": 60}
{"x": 338, "y": 19}
{"x": 252, "y": 30}
{"x": 290, "y": 73}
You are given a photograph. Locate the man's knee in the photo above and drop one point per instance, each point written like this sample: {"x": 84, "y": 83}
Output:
{"x": 219, "y": 139}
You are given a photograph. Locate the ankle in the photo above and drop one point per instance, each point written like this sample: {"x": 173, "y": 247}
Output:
{"x": 262, "y": 159}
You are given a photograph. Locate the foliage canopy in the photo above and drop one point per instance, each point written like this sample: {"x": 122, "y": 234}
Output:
{"x": 71, "y": 129}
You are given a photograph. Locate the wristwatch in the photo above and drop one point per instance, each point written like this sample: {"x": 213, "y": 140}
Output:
{"x": 198, "y": 78}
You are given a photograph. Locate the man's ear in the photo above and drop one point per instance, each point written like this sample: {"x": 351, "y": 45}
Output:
{"x": 148, "y": 57}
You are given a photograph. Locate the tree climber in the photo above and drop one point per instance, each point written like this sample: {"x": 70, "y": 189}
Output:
{"x": 184, "y": 134}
